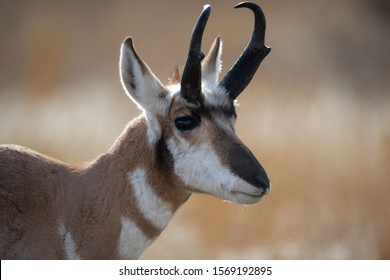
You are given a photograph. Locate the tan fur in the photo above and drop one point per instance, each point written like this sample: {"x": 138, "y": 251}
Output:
{"x": 38, "y": 194}
{"x": 175, "y": 79}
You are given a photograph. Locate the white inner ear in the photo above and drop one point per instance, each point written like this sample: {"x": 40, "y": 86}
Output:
{"x": 130, "y": 73}
{"x": 144, "y": 88}
{"x": 212, "y": 64}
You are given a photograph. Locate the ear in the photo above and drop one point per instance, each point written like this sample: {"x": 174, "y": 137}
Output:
{"x": 212, "y": 64}
{"x": 140, "y": 84}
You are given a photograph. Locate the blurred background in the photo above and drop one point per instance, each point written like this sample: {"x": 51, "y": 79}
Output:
{"x": 316, "y": 115}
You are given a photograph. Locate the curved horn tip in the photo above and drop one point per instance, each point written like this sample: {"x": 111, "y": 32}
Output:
{"x": 207, "y": 7}
{"x": 206, "y": 11}
{"x": 250, "y": 5}
{"x": 128, "y": 41}
{"x": 253, "y": 7}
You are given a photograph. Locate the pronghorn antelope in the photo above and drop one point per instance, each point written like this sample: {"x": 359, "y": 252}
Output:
{"x": 183, "y": 142}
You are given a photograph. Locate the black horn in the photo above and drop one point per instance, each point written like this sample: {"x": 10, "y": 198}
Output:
{"x": 191, "y": 82}
{"x": 246, "y": 65}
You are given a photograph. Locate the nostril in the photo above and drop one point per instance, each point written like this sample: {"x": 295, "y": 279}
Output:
{"x": 262, "y": 182}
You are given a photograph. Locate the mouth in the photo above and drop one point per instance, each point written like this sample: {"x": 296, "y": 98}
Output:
{"x": 248, "y": 198}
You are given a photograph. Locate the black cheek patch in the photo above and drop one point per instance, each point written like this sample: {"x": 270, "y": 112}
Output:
{"x": 164, "y": 158}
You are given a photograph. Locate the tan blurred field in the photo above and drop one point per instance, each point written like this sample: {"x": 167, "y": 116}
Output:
{"x": 316, "y": 115}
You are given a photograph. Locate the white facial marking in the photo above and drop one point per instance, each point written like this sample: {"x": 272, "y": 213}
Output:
{"x": 154, "y": 129}
{"x": 69, "y": 245}
{"x": 216, "y": 95}
{"x": 199, "y": 167}
{"x": 154, "y": 209}
{"x": 132, "y": 242}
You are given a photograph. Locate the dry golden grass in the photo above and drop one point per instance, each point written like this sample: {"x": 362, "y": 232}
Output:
{"x": 317, "y": 115}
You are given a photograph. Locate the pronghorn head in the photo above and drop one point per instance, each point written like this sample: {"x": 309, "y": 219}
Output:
{"x": 194, "y": 116}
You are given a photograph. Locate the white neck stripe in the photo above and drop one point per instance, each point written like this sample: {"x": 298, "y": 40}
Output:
{"x": 154, "y": 209}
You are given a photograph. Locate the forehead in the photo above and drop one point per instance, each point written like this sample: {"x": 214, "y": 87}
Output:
{"x": 216, "y": 103}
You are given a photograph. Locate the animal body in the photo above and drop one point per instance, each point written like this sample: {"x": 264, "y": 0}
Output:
{"x": 184, "y": 142}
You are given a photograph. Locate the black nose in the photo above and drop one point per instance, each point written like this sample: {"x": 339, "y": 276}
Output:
{"x": 243, "y": 163}
{"x": 262, "y": 181}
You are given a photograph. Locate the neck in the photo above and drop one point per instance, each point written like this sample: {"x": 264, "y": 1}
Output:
{"x": 135, "y": 196}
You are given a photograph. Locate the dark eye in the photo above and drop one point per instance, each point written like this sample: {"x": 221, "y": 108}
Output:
{"x": 186, "y": 123}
